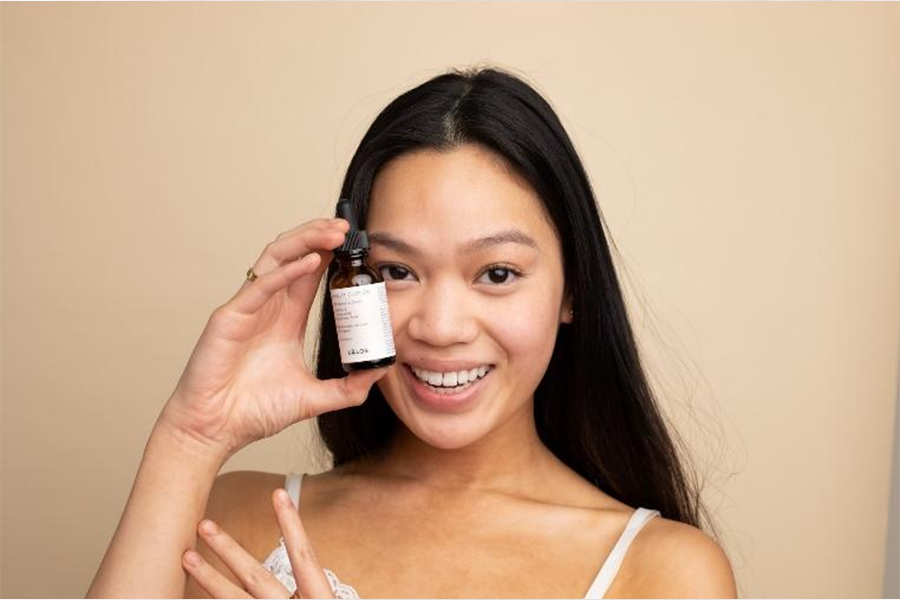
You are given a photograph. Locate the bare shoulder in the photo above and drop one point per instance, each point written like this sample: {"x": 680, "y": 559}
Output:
{"x": 241, "y": 499}
{"x": 235, "y": 489}
{"x": 680, "y": 561}
{"x": 237, "y": 501}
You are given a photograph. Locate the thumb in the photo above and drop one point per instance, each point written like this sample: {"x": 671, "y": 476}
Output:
{"x": 352, "y": 390}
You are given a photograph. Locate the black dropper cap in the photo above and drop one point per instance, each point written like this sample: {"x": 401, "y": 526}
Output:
{"x": 356, "y": 239}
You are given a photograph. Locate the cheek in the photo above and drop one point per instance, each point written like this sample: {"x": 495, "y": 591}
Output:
{"x": 519, "y": 331}
{"x": 526, "y": 331}
{"x": 518, "y": 325}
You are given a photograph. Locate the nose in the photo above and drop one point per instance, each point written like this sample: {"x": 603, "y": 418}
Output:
{"x": 443, "y": 316}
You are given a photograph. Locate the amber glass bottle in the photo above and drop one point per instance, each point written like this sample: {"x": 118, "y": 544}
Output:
{"x": 359, "y": 302}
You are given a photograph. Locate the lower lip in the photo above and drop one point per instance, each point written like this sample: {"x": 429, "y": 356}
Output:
{"x": 457, "y": 402}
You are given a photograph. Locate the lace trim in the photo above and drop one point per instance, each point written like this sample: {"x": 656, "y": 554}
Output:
{"x": 279, "y": 565}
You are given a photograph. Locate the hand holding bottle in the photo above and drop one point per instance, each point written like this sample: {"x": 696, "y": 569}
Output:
{"x": 247, "y": 378}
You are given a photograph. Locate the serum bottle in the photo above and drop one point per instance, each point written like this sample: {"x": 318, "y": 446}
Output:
{"x": 359, "y": 301}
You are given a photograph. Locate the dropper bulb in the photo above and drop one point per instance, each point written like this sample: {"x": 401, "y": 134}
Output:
{"x": 345, "y": 211}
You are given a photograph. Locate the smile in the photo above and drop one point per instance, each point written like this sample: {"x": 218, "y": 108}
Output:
{"x": 452, "y": 381}
{"x": 446, "y": 395}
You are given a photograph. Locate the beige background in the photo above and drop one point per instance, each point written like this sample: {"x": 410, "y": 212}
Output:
{"x": 745, "y": 157}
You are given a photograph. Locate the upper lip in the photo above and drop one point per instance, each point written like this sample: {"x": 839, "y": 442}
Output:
{"x": 447, "y": 366}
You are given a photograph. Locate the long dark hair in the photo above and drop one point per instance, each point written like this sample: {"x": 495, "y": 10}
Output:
{"x": 594, "y": 408}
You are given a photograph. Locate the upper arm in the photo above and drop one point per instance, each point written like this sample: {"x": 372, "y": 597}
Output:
{"x": 705, "y": 570}
{"x": 689, "y": 564}
{"x": 226, "y": 499}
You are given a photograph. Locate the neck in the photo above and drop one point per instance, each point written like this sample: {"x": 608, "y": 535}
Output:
{"x": 511, "y": 459}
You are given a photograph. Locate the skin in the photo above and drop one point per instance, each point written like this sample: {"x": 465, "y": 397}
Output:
{"x": 471, "y": 504}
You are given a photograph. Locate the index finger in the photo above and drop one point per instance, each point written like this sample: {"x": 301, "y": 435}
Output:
{"x": 252, "y": 296}
{"x": 308, "y": 573}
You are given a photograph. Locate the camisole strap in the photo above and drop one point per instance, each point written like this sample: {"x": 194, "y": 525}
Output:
{"x": 292, "y": 484}
{"x": 611, "y": 566}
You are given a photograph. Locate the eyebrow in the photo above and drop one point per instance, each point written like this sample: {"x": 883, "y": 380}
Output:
{"x": 506, "y": 236}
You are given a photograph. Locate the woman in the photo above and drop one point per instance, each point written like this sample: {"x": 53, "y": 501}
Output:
{"x": 547, "y": 458}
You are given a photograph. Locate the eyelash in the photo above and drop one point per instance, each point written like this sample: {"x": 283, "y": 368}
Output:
{"x": 518, "y": 274}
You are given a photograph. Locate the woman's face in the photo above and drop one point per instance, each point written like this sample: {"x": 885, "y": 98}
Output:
{"x": 474, "y": 276}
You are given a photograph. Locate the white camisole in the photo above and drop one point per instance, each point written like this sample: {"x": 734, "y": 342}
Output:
{"x": 279, "y": 565}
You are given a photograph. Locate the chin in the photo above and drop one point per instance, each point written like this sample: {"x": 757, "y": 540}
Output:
{"x": 444, "y": 435}
{"x": 446, "y": 424}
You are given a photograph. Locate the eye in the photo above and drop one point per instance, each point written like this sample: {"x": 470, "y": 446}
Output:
{"x": 500, "y": 274}
{"x": 497, "y": 275}
{"x": 393, "y": 272}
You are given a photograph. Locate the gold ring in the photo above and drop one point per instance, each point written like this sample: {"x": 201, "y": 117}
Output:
{"x": 250, "y": 274}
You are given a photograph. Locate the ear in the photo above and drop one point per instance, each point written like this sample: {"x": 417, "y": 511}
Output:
{"x": 565, "y": 311}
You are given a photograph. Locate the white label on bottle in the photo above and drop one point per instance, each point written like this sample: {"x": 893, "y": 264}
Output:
{"x": 363, "y": 322}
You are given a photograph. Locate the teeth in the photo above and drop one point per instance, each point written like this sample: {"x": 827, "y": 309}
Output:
{"x": 452, "y": 379}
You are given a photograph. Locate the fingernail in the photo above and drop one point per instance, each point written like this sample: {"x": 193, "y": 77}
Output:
{"x": 193, "y": 559}
{"x": 207, "y": 526}
{"x": 283, "y": 498}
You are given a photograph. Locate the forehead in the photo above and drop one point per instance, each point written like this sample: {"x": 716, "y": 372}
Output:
{"x": 443, "y": 196}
